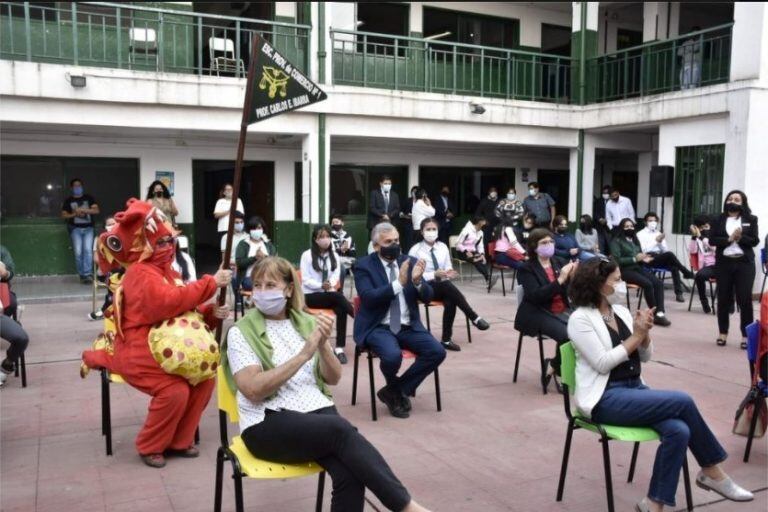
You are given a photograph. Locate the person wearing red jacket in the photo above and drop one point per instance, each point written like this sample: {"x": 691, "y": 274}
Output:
{"x": 151, "y": 293}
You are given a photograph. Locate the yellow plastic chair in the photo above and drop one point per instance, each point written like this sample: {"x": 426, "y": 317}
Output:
{"x": 607, "y": 433}
{"x": 244, "y": 464}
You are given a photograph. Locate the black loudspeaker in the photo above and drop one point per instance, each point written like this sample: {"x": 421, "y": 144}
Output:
{"x": 662, "y": 181}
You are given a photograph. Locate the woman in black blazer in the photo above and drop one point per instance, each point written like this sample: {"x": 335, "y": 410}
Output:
{"x": 734, "y": 234}
{"x": 545, "y": 306}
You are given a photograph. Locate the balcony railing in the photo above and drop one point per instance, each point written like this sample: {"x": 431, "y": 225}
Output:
{"x": 692, "y": 60}
{"x": 405, "y": 63}
{"x": 136, "y": 37}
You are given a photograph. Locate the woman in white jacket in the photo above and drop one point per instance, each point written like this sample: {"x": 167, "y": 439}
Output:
{"x": 610, "y": 347}
{"x": 422, "y": 209}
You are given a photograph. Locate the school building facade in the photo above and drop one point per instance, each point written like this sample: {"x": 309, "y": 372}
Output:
{"x": 573, "y": 95}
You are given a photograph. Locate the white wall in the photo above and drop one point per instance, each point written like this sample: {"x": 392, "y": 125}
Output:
{"x": 750, "y": 41}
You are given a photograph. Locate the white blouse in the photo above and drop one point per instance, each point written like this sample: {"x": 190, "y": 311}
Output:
{"x": 731, "y": 225}
{"x": 300, "y": 393}
{"x": 420, "y": 212}
{"x": 223, "y": 205}
{"x": 311, "y": 279}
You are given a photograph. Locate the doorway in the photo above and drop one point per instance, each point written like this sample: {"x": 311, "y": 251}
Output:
{"x": 555, "y": 183}
{"x": 256, "y": 191}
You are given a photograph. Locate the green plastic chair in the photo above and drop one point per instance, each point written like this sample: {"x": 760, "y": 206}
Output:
{"x": 607, "y": 433}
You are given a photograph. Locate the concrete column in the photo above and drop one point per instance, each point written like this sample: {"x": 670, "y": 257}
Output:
{"x": 644, "y": 162}
{"x": 583, "y": 41}
{"x": 749, "y": 46}
{"x": 285, "y": 192}
{"x": 588, "y": 178}
{"x": 413, "y": 175}
{"x": 311, "y": 167}
{"x": 285, "y": 10}
{"x": 416, "y": 20}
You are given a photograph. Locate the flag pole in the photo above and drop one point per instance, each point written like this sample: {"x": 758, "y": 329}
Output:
{"x": 238, "y": 173}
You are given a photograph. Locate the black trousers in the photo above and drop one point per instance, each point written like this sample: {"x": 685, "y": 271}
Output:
{"x": 702, "y": 278}
{"x": 481, "y": 267}
{"x": 669, "y": 261}
{"x": 323, "y": 436}
{"x": 734, "y": 277}
{"x": 340, "y": 306}
{"x": 451, "y": 297}
{"x": 651, "y": 285}
{"x": 554, "y": 328}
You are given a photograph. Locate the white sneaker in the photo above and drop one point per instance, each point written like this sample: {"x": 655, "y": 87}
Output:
{"x": 726, "y": 488}
{"x": 3, "y": 376}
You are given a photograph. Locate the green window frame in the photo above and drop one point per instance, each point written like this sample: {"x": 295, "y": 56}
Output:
{"x": 698, "y": 183}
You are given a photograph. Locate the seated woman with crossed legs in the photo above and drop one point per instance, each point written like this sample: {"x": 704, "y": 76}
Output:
{"x": 611, "y": 346}
{"x": 281, "y": 362}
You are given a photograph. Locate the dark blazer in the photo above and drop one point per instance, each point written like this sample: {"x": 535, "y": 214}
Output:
{"x": 441, "y": 211}
{"x": 487, "y": 210}
{"x": 718, "y": 237}
{"x": 625, "y": 252}
{"x": 538, "y": 293}
{"x": 376, "y": 295}
{"x": 378, "y": 208}
{"x": 598, "y": 208}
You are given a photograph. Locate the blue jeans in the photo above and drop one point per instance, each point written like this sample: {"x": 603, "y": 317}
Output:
{"x": 501, "y": 258}
{"x": 82, "y": 244}
{"x": 674, "y": 415}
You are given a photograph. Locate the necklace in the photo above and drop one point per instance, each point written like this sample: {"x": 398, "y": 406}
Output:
{"x": 608, "y": 318}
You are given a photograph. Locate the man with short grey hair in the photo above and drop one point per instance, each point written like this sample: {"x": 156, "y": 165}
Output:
{"x": 389, "y": 285}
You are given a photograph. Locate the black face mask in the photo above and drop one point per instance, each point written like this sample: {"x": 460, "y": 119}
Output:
{"x": 561, "y": 230}
{"x": 390, "y": 252}
{"x": 445, "y": 193}
{"x": 158, "y": 194}
{"x": 629, "y": 233}
{"x": 704, "y": 233}
{"x": 337, "y": 227}
{"x": 733, "y": 208}
{"x": 615, "y": 199}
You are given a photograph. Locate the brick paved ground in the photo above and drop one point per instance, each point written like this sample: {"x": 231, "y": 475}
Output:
{"x": 496, "y": 445}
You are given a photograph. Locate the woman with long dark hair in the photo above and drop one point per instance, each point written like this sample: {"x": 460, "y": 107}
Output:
{"x": 734, "y": 234}
{"x": 159, "y": 195}
{"x": 587, "y": 235}
{"x": 320, "y": 273}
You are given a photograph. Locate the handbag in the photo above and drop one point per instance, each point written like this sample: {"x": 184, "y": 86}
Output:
{"x": 746, "y": 412}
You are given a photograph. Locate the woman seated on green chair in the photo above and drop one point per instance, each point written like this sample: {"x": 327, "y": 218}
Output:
{"x": 282, "y": 363}
{"x": 611, "y": 345}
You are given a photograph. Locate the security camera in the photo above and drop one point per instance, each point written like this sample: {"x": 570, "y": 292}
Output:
{"x": 476, "y": 108}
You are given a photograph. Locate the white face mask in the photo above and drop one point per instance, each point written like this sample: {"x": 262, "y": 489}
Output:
{"x": 270, "y": 303}
{"x": 493, "y": 195}
{"x": 386, "y": 188}
{"x": 533, "y": 191}
{"x": 652, "y": 225}
{"x": 511, "y": 196}
{"x": 239, "y": 227}
{"x": 228, "y": 194}
{"x": 619, "y": 292}
{"x": 606, "y": 196}
{"x": 256, "y": 234}
{"x": 324, "y": 243}
{"x": 430, "y": 235}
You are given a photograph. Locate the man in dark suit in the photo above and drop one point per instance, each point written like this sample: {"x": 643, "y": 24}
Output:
{"x": 487, "y": 210}
{"x": 601, "y": 225}
{"x": 389, "y": 285}
{"x": 385, "y": 205}
{"x": 445, "y": 211}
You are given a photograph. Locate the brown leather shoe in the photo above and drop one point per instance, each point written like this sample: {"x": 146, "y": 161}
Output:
{"x": 154, "y": 460}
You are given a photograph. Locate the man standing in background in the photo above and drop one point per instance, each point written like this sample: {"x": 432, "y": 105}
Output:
{"x": 78, "y": 210}
{"x": 445, "y": 211}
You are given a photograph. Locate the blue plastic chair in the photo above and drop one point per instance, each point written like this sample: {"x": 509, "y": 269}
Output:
{"x": 764, "y": 261}
{"x": 759, "y": 392}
